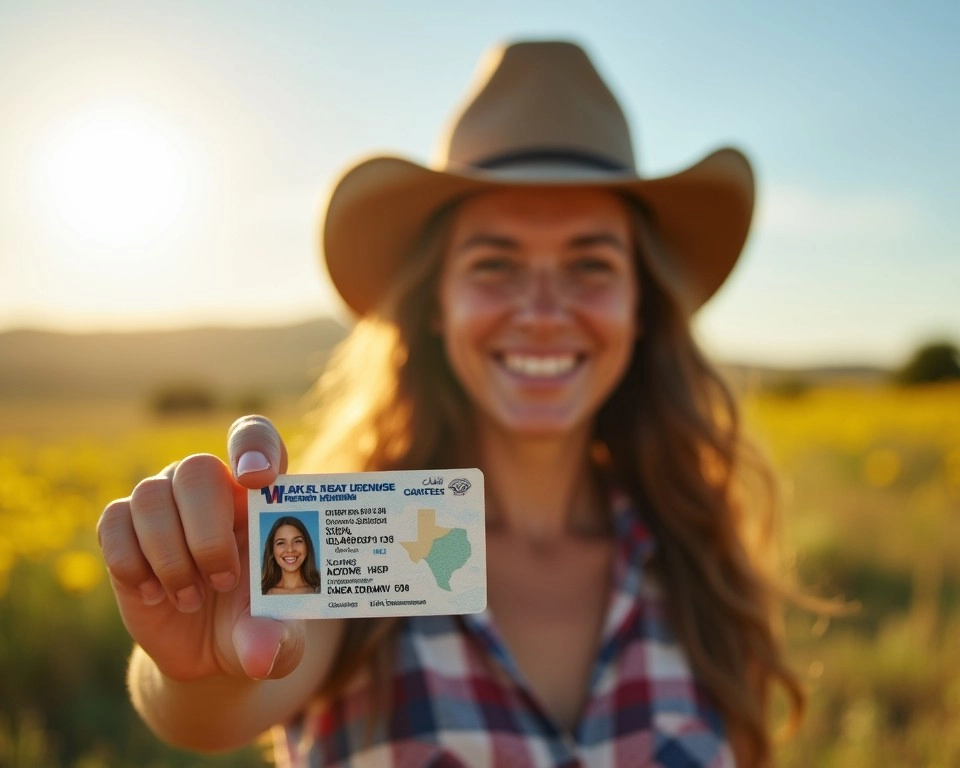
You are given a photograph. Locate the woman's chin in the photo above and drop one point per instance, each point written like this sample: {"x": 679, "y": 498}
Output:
{"x": 540, "y": 424}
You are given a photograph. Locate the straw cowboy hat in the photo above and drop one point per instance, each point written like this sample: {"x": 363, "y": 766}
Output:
{"x": 539, "y": 114}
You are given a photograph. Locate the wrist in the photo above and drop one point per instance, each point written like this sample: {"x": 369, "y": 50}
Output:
{"x": 198, "y": 714}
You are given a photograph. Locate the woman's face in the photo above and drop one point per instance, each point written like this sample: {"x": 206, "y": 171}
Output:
{"x": 538, "y": 302}
{"x": 289, "y": 548}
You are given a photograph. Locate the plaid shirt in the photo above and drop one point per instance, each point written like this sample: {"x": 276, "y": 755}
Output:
{"x": 460, "y": 701}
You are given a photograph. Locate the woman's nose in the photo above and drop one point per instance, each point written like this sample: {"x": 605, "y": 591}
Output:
{"x": 544, "y": 294}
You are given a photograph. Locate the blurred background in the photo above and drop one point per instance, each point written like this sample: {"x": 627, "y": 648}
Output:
{"x": 162, "y": 167}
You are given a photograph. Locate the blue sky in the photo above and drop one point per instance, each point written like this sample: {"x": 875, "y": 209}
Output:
{"x": 231, "y": 120}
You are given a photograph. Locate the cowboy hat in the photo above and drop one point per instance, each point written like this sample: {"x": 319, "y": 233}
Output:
{"x": 539, "y": 114}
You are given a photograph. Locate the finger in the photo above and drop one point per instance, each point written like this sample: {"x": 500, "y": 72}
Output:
{"x": 156, "y": 521}
{"x": 268, "y": 648}
{"x": 203, "y": 494}
{"x": 122, "y": 555}
{"x": 257, "y": 453}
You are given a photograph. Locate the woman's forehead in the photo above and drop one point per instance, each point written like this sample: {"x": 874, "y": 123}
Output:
{"x": 554, "y": 207}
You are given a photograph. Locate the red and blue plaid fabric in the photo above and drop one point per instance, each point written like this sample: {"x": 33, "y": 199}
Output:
{"x": 459, "y": 700}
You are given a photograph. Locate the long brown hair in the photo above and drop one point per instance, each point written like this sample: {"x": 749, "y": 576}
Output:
{"x": 672, "y": 437}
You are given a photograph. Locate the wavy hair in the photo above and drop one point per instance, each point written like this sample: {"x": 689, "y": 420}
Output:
{"x": 670, "y": 435}
{"x": 271, "y": 573}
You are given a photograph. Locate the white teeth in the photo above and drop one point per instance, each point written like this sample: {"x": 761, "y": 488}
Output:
{"x": 542, "y": 367}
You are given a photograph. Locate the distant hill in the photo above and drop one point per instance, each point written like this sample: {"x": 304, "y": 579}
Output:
{"x": 230, "y": 361}
{"x": 247, "y": 361}
{"x": 750, "y": 378}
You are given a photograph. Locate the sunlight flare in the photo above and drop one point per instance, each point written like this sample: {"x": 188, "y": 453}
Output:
{"x": 114, "y": 176}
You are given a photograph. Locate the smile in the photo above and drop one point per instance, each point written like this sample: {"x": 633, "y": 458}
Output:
{"x": 540, "y": 366}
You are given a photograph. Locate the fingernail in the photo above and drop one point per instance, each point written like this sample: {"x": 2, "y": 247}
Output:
{"x": 223, "y": 582}
{"x": 151, "y": 592}
{"x": 189, "y": 599}
{"x": 251, "y": 461}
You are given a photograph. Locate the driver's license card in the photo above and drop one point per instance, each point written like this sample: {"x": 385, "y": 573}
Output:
{"x": 360, "y": 544}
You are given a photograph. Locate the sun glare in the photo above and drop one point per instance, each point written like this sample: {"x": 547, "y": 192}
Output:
{"x": 113, "y": 177}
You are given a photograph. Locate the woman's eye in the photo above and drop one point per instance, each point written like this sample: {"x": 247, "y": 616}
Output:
{"x": 493, "y": 265}
{"x": 592, "y": 265}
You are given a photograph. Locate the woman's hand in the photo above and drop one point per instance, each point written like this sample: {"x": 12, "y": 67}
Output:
{"x": 176, "y": 551}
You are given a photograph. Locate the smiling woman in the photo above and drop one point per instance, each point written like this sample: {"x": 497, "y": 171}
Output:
{"x": 115, "y": 177}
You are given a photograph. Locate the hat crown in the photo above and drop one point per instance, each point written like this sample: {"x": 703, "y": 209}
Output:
{"x": 537, "y": 99}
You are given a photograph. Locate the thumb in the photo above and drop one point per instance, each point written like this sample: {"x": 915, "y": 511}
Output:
{"x": 257, "y": 452}
{"x": 267, "y": 648}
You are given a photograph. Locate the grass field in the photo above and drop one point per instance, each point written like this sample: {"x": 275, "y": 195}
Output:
{"x": 872, "y": 513}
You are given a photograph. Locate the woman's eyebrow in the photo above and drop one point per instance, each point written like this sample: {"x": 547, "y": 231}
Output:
{"x": 487, "y": 240}
{"x": 592, "y": 239}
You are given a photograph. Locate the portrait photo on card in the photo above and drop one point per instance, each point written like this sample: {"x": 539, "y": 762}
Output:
{"x": 290, "y": 549}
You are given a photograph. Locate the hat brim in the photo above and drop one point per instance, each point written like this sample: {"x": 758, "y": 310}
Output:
{"x": 378, "y": 209}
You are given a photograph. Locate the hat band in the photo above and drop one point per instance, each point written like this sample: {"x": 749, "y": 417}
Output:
{"x": 526, "y": 156}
